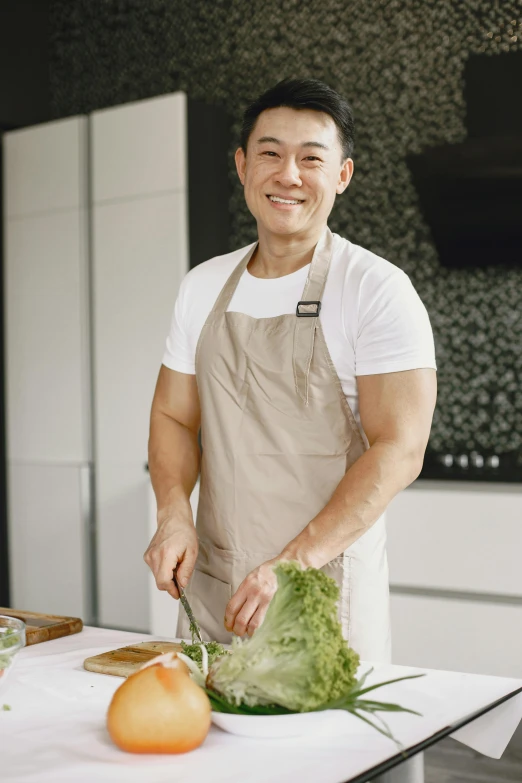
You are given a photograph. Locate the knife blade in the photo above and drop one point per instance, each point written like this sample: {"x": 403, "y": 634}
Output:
{"x": 194, "y": 625}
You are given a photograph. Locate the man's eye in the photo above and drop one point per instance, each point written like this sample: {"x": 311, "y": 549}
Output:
{"x": 269, "y": 152}
{"x": 312, "y": 157}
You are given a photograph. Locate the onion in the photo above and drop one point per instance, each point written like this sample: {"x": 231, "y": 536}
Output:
{"x": 159, "y": 709}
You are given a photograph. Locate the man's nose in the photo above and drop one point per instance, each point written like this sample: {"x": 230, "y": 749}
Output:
{"x": 289, "y": 174}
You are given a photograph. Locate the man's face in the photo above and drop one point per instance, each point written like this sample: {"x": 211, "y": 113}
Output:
{"x": 293, "y": 170}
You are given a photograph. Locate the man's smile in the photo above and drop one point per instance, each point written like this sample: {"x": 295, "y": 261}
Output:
{"x": 282, "y": 202}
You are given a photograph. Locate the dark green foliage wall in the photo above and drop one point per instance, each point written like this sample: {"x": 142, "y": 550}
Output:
{"x": 400, "y": 63}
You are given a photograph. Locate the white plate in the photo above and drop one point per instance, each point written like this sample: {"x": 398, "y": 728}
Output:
{"x": 293, "y": 725}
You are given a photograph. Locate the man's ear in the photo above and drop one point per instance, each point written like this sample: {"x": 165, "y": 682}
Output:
{"x": 240, "y": 159}
{"x": 345, "y": 176}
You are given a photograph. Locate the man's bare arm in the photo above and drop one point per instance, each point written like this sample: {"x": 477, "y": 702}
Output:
{"x": 173, "y": 441}
{"x": 396, "y": 411}
{"x": 174, "y": 458}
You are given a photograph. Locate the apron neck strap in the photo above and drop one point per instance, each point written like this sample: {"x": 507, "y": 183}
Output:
{"x": 228, "y": 290}
{"x": 319, "y": 268}
{"x": 307, "y": 314}
{"x": 315, "y": 281}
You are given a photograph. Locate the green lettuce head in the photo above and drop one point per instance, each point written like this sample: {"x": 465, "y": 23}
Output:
{"x": 298, "y": 657}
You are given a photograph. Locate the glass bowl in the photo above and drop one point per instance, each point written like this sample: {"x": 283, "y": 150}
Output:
{"x": 12, "y": 639}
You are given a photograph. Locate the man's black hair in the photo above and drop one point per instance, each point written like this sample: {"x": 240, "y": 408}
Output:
{"x": 303, "y": 94}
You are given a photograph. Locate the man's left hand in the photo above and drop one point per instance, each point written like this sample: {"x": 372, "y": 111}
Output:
{"x": 247, "y": 608}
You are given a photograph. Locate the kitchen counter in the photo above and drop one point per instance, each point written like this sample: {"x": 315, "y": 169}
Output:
{"x": 461, "y": 485}
{"x": 55, "y": 731}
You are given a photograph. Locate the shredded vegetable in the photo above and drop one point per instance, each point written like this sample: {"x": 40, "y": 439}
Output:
{"x": 8, "y": 638}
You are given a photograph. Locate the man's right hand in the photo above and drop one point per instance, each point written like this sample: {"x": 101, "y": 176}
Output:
{"x": 173, "y": 546}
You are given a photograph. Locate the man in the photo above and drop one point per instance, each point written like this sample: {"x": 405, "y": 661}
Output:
{"x": 309, "y": 364}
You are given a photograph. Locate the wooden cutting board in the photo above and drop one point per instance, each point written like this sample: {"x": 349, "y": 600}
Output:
{"x": 127, "y": 660}
{"x": 44, "y": 627}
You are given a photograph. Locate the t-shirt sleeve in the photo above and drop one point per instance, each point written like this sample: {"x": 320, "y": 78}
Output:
{"x": 179, "y": 352}
{"x": 394, "y": 330}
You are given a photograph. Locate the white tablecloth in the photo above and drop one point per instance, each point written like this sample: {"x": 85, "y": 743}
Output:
{"x": 55, "y": 731}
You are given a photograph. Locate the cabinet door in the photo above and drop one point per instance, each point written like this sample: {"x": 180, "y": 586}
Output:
{"x": 140, "y": 148}
{"x": 466, "y": 636}
{"x": 45, "y": 167}
{"x": 47, "y": 293}
{"x": 461, "y": 539}
{"x": 47, "y": 340}
{"x": 122, "y": 537}
{"x": 50, "y": 539}
{"x": 140, "y": 257}
{"x": 48, "y": 385}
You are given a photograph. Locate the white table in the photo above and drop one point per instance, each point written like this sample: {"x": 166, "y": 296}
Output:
{"x": 55, "y": 731}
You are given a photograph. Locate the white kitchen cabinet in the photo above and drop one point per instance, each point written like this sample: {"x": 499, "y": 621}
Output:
{"x": 140, "y": 255}
{"x": 50, "y": 538}
{"x": 48, "y": 384}
{"x": 449, "y": 633}
{"x": 122, "y": 537}
{"x": 454, "y": 557}
{"x": 459, "y": 539}
{"x": 140, "y": 149}
{"x": 45, "y": 168}
{"x": 47, "y": 374}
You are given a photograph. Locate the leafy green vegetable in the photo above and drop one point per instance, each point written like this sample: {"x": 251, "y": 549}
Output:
{"x": 6, "y": 707}
{"x": 8, "y": 638}
{"x": 195, "y": 653}
{"x": 297, "y": 659}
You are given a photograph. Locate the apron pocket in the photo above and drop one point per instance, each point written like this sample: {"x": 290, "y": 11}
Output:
{"x": 208, "y": 598}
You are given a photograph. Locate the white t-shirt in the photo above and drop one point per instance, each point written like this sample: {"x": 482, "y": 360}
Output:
{"x": 373, "y": 319}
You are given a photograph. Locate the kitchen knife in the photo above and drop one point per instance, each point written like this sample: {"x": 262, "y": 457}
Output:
{"x": 194, "y": 626}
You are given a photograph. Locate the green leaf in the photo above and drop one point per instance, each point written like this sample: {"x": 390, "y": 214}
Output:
{"x": 382, "y": 706}
{"x": 359, "y": 692}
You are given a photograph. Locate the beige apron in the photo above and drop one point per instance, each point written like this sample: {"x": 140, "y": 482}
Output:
{"x": 278, "y": 436}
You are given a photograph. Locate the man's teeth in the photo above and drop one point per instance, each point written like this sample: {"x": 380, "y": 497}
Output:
{"x": 283, "y": 200}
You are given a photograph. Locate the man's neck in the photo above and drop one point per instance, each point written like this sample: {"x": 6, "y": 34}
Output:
{"x": 277, "y": 256}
